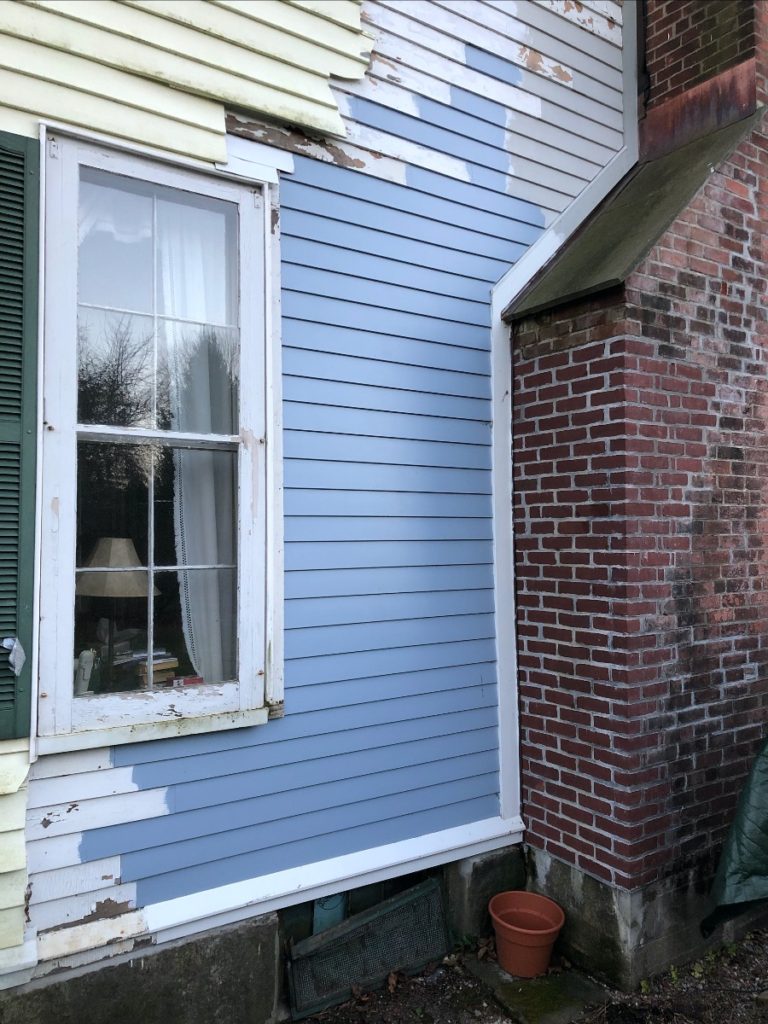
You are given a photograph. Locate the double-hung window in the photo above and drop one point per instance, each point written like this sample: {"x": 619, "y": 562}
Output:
{"x": 153, "y": 583}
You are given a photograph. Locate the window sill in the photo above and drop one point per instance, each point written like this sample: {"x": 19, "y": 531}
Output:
{"x": 142, "y": 732}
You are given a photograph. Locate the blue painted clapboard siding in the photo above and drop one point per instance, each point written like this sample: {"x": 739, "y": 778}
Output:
{"x": 390, "y": 729}
{"x": 305, "y": 224}
{"x": 405, "y": 822}
{"x": 327, "y": 611}
{"x": 376, "y": 372}
{"x": 188, "y": 836}
{"x": 340, "y": 420}
{"x": 344, "y": 528}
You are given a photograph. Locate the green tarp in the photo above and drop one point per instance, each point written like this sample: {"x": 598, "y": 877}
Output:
{"x": 741, "y": 880}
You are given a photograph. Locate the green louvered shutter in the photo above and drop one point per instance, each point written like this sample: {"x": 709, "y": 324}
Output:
{"x": 19, "y": 197}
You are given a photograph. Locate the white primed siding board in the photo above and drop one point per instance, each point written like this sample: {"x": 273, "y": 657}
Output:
{"x": 63, "y": 819}
{"x": 83, "y": 786}
{"x": 403, "y": 63}
{"x": 69, "y": 764}
{"x": 396, "y": 90}
{"x": 590, "y": 18}
{"x": 591, "y": 99}
{"x": 70, "y": 909}
{"x": 590, "y": 54}
{"x": 402, "y": 51}
{"x": 611, "y": 10}
{"x": 419, "y": 156}
{"x": 603, "y": 38}
{"x": 586, "y": 74}
{"x": 520, "y": 143}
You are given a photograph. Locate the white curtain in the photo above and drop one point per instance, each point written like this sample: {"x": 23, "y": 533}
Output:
{"x": 199, "y": 365}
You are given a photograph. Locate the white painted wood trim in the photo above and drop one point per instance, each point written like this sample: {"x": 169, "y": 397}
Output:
{"x": 123, "y": 713}
{"x": 150, "y": 731}
{"x": 504, "y": 562}
{"x": 259, "y": 167}
{"x": 274, "y": 640}
{"x": 177, "y": 918}
{"x": 504, "y": 291}
{"x": 245, "y": 152}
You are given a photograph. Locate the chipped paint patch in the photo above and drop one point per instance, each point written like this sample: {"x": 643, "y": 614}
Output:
{"x": 541, "y": 65}
{"x": 341, "y": 154}
{"x": 605, "y": 26}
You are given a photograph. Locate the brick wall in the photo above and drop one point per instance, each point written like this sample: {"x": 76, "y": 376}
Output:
{"x": 641, "y": 476}
{"x": 689, "y": 41}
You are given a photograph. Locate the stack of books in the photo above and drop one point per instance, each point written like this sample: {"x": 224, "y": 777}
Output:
{"x": 163, "y": 670}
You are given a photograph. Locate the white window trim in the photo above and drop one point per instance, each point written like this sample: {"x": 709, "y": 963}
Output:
{"x": 114, "y": 718}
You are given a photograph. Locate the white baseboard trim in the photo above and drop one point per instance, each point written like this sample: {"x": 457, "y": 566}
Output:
{"x": 186, "y": 915}
{"x": 181, "y": 917}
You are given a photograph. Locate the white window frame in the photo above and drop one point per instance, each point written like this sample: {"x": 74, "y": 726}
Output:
{"x": 66, "y": 722}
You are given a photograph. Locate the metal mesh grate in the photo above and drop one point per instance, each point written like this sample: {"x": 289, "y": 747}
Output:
{"x": 405, "y": 932}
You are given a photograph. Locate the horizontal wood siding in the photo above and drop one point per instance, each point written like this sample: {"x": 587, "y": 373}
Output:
{"x": 455, "y": 161}
{"x": 161, "y": 72}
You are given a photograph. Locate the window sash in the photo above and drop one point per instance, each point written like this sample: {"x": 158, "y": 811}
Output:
{"x": 59, "y": 712}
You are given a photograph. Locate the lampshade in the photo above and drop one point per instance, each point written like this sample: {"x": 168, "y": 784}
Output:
{"x": 113, "y": 553}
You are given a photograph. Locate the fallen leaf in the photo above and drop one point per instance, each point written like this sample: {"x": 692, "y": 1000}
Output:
{"x": 392, "y": 981}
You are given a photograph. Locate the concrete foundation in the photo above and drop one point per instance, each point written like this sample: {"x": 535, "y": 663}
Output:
{"x": 470, "y": 883}
{"x": 625, "y": 936}
{"x": 231, "y": 975}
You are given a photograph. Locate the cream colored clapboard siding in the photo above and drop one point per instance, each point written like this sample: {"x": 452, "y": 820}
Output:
{"x": 199, "y": 64}
{"x": 162, "y": 72}
{"x": 14, "y": 768}
{"x": 342, "y": 14}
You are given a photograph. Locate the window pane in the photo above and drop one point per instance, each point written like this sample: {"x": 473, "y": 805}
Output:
{"x": 196, "y": 258}
{"x": 195, "y": 615}
{"x": 197, "y": 378}
{"x": 195, "y": 507}
{"x": 112, "y": 504}
{"x": 115, "y": 359}
{"x": 110, "y": 631}
{"x": 115, "y": 242}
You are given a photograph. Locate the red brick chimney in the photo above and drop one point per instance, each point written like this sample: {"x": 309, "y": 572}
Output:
{"x": 700, "y": 68}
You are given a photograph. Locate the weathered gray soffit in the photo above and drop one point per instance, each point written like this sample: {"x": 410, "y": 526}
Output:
{"x": 628, "y": 223}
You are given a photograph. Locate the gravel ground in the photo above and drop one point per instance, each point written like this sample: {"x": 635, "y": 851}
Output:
{"x": 722, "y": 988}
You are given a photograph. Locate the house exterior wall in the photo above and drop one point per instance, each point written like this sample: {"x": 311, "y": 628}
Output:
{"x": 641, "y": 486}
{"x": 475, "y": 126}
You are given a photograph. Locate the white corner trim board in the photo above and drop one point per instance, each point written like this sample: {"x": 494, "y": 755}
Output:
{"x": 176, "y": 918}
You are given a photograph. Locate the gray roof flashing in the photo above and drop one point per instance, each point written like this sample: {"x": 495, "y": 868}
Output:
{"x": 623, "y": 229}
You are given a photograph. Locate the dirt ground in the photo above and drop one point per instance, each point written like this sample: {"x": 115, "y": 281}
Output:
{"x": 722, "y": 988}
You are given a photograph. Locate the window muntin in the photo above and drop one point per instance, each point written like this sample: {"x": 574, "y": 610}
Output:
{"x": 154, "y": 329}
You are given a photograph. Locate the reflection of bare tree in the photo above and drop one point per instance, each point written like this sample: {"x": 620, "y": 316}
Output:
{"x": 114, "y": 376}
{"x": 115, "y": 388}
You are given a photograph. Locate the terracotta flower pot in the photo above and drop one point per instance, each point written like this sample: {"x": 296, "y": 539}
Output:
{"x": 526, "y": 927}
